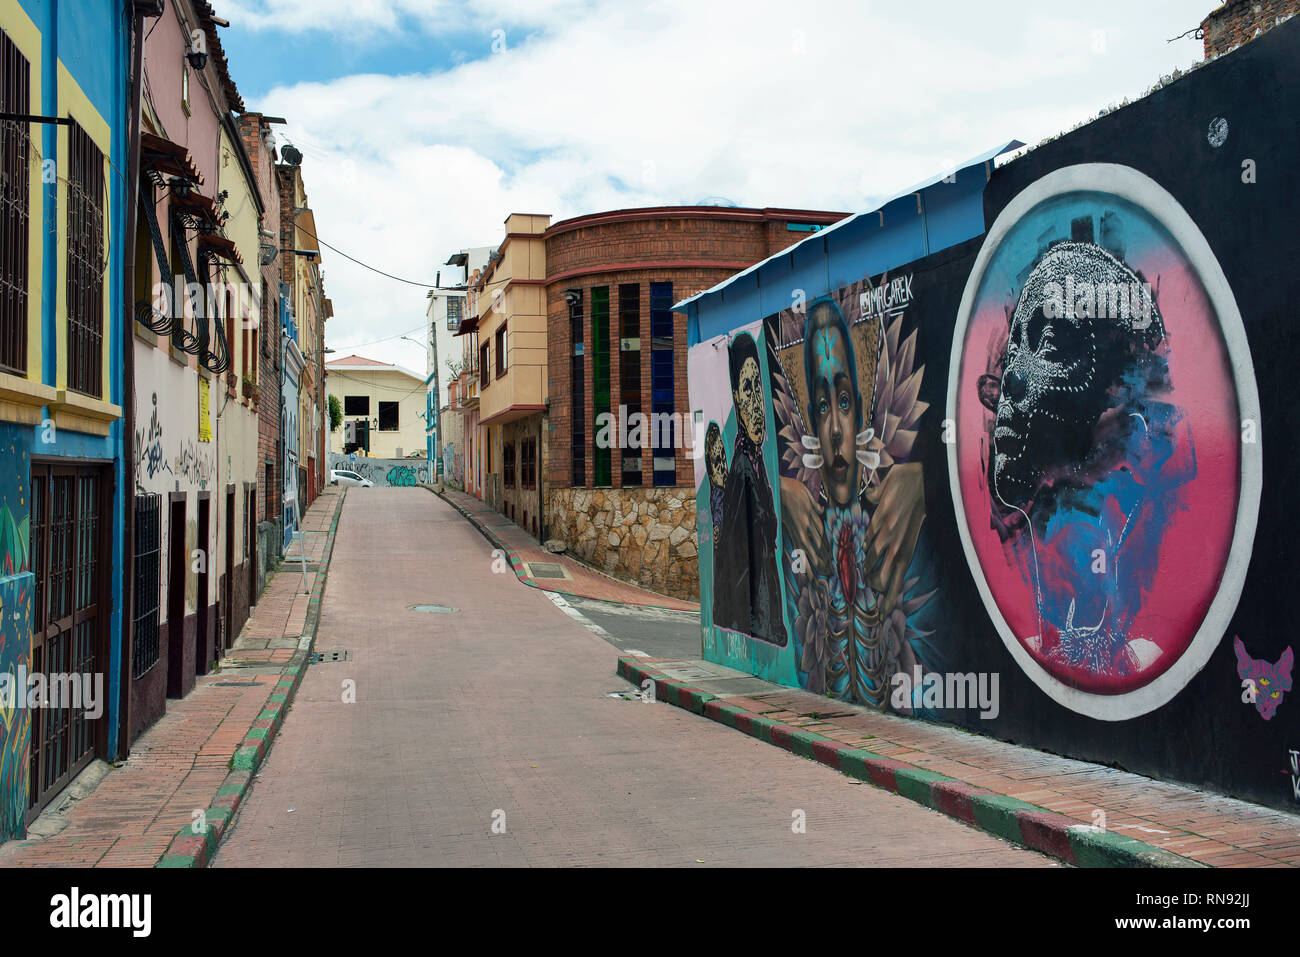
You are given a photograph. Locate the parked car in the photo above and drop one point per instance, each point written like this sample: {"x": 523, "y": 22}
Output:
{"x": 345, "y": 477}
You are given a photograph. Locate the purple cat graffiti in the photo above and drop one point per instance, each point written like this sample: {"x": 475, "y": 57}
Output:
{"x": 1270, "y": 681}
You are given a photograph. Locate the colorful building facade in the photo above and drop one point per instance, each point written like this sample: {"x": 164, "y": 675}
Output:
{"x": 61, "y": 387}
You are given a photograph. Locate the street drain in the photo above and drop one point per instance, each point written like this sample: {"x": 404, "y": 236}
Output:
{"x": 320, "y": 657}
{"x": 545, "y": 570}
{"x": 434, "y": 609}
{"x": 235, "y": 684}
{"x": 625, "y": 695}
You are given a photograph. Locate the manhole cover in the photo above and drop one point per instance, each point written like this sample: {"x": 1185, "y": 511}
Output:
{"x": 434, "y": 609}
{"x": 545, "y": 570}
{"x": 319, "y": 657}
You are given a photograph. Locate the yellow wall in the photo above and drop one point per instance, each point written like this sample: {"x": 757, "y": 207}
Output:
{"x": 522, "y": 307}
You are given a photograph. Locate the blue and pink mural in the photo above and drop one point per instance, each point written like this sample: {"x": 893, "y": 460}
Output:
{"x": 1013, "y": 428}
{"x": 1098, "y": 456}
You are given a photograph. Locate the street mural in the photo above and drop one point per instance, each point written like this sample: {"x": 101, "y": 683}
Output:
{"x": 1097, "y": 468}
{"x": 398, "y": 473}
{"x": 845, "y": 383}
{"x": 747, "y": 594}
{"x": 16, "y": 589}
{"x": 1265, "y": 682}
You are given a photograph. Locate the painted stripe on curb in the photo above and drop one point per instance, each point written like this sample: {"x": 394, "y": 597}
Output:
{"x": 190, "y": 850}
{"x": 1006, "y": 817}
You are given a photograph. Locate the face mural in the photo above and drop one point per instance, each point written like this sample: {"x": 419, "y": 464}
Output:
{"x": 1099, "y": 387}
{"x": 746, "y": 580}
{"x": 852, "y": 502}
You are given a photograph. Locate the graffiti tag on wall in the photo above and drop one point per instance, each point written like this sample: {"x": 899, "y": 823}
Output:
{"x": 398, "y": 473}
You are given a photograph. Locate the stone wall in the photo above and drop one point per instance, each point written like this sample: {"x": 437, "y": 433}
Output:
{"x": 642, "y": 535}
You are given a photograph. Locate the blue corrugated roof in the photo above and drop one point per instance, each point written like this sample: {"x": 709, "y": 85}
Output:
{"x": 691, "y": 304}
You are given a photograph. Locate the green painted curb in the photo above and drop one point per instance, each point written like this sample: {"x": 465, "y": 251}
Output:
{"x": 914, "y": 784}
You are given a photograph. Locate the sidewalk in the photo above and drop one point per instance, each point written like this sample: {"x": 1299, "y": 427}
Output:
{"x": 1030, "y": 797}
{"x": 520, "y": 547}
{"x": 171, "y": 801}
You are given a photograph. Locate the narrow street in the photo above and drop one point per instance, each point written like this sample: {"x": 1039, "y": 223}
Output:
{"x": 499, "y": 711}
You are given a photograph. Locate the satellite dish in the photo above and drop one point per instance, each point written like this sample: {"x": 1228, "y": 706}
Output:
{"x": 291, "y": 155}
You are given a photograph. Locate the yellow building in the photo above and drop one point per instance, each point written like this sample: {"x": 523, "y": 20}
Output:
{"x": 511, "y": 328}
{"x": 388, "y": 397}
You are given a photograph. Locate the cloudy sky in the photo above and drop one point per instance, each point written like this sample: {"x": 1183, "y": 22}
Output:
{"x": 423, "y": 123}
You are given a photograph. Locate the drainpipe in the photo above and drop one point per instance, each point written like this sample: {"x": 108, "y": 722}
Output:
{"x": 135, "y": 50}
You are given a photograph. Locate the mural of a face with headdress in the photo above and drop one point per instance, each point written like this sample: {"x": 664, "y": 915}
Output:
{"x": 1069, "y": 363}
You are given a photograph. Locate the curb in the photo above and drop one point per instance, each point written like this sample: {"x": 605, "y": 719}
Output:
{"x": 195, "y": 845}
{"x": 516, "y": 563}
{"x": 1011, "y": 819}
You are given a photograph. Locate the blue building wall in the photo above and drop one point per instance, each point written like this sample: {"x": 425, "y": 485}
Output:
{"x": 929, "y": 217}
{"x": 89, "y": 39}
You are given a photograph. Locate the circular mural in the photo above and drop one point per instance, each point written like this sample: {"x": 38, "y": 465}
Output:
{"x": 1105, "y": 469}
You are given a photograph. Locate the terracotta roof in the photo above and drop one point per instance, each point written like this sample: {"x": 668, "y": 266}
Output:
{"x": 355, "y": 360}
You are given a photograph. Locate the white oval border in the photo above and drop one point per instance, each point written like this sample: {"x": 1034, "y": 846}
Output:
{"x": 1144, "y": 192}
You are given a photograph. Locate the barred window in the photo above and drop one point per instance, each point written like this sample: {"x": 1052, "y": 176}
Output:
{"x": 15, "y": 211}
{"x": 148, "y": 545}
{"x": 508, "y": 464}
{"x": 85, "y": 264}
{"x": 528, "y": 463}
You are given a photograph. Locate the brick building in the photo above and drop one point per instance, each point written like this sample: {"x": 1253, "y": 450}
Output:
{"x": 259, "y": 143}
{"x": 615, "y": 348}
{"x": 1239, "y": 21}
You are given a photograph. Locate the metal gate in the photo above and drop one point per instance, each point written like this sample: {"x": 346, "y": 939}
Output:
{"x": 70, "y": 525}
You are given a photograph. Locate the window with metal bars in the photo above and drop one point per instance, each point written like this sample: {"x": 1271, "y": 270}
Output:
{"x": 148, "y": 558}
{"x": 508, "y": 464}
{"x": 15, "y": 206}
{"x": 85, "y": 264}
{"x": 528, "y": 463}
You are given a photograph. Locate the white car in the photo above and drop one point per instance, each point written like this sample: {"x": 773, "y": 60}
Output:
{"x": 345, "y": 477}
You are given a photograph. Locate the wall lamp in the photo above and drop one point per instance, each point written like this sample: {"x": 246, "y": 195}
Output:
{"x": 198, "y": 59}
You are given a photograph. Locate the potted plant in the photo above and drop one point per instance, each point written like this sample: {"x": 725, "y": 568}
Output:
{"x": 250, "y": 387}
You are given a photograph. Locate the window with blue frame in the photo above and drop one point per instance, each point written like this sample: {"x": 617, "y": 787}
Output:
{"x": 662, "y": 385}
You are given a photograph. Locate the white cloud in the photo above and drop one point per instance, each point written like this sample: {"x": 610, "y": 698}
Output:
{"x": 827, "y": 105}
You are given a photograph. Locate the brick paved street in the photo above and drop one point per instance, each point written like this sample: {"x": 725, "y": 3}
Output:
{"x": 178, "y": 765}
{"x": 502, "y": 706}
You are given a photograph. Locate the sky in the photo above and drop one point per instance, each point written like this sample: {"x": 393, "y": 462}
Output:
{"x": 424, "y": 123}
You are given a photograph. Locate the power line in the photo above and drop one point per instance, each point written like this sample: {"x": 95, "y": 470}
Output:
{"x": 361, "y": 345}
{"x": 409, "y": 282}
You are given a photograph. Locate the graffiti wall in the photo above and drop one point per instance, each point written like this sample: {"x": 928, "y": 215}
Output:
{"x": 1022, "y": 485}
{"x": 16, "y": 588}
{"x": 399, "y": 473}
